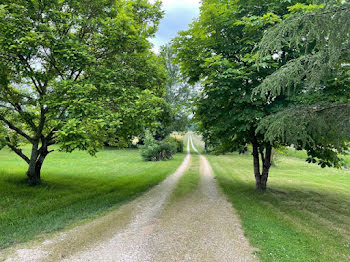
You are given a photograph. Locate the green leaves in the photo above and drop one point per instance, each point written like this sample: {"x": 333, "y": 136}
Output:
{"x": 81, "y": 135}
{"x": 305, "y": 8}
{"x": 313, "y": 40}
{"x": 2, "y": 137}
{"x": 317, "y": 37}
{"x": 258, "y": 22}
{"x": 79, "y": 73}
{"x": 298, "y": 91}
{"x": 219, "y": 50}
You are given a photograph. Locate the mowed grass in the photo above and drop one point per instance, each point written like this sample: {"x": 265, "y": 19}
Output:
{"x": 76, "y": 187}
{"x": 304, "y": 216}
{"x": 189, "y": 180}
{"x": 303, "y": 155}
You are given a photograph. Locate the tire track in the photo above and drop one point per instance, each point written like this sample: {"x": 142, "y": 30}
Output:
{"x": 201, "y": 227}
{"x": 118, "y": 236}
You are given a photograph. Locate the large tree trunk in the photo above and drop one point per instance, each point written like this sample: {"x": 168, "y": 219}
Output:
{"x": 261, "y": 178}
{"x": 33, "y": 175}
{"x": 36, "y": 161}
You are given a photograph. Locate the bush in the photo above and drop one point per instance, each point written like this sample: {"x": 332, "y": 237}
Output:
{"x": 178, "y": 143}
{"x": 154, "y": 150}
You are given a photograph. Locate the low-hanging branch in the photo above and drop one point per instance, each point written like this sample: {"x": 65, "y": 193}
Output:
{"x": 320, "y": 42}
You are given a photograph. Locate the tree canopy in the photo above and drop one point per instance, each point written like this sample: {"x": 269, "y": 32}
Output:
{"x": 179, "y": 94}
{"x": 77, "y": 73}
{"x": 317, "y": 80}
{"x": 239, "y": 51}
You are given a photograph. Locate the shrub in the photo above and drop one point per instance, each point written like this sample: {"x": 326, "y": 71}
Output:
{"x": 177, "y": 142}
{"x": 154, "y": 150}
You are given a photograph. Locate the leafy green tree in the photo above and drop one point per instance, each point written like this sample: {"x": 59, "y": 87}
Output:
{"x": 317, "y": 80}
{"x": 218, "y": 49}
{"x": 179, "y": 94}
{"x": 73, "y": 72}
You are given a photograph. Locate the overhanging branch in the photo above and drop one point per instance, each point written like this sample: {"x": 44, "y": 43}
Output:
{"x": 17, "y": 150}
{"x": 16, "y": 129}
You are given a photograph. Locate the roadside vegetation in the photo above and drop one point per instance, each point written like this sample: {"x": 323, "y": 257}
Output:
{"x": 305, "y": 215}
{"x": 273, "y": 73}
{"x": 255, "y": 75}
{"x": 75, "y": 187}
{"x": 189, "y": 181}
{"x": 154, "y": 150}
{"x": 302, "y": 154}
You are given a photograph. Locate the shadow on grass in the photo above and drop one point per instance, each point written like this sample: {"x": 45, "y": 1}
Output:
{"x": 18, "y": 180}
{"x": 282, "y": 192}
{"x": 28, "y": 211}
{"x": 289, "y": 224}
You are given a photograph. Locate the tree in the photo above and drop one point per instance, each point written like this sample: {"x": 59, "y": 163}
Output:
{"x": 317, "y": 80}
{"x": 218, "y": 49}
{"x": 69, "y": 71}
{"x": 179, "y": 94}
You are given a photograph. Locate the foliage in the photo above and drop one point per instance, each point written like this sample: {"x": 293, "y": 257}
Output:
{"x": 218, "y": 49}
{"x": 77, "y": 73}
{"x": 319, "y": 33}
{"x": 144, "y": 111}
{"x": 300, "y": 45}
{"x": 176, "y": 142}
{"x": 316, "y": 79}
{"x": 2, "y": 137}
{"x": 179, "y": 94}
{"x": 154, "y": 150}
{"x": 320, "y": 131}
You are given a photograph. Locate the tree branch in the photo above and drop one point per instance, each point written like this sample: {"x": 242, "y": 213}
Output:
{"x": 53, "y": 64}
{"x": 16, "y": 129}
{"x": 19, "y": 109}
{"x": 29, "y": 68}
{"x": 17, "y": 150}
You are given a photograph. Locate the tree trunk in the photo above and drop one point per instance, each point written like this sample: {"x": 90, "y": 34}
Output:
{"x": 36, "y": 162}
{"x": 261, "y": 178}
{"x": 33, "y": 175}
{"x": 266, "y": 168}
{"x": 256, "y": 163}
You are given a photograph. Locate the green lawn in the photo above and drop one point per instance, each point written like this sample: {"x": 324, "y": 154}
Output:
{"x": 305, "y": 216}
{"x": 190, "y": 179}
{"x": 76, "y": 187}
{"x": 303, "y": 155}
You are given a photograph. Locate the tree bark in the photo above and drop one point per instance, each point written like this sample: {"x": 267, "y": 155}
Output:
{"x": 34, "y": 176}
{"x": 256, "y": 162}
{"x": 261, "y": 178}
{"x": 266, "y": 167}
{"x": 36, "y": 162}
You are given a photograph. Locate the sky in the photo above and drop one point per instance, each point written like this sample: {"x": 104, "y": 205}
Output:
{"x": 178, "y": 14}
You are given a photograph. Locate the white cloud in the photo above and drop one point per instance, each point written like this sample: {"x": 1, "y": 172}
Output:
{"x": 168, "y": 4}
{"x": 155, "y": 50}
{"x": 178, "y": 14}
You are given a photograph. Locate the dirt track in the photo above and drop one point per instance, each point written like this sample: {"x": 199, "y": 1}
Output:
{"x": 200, "y": 227}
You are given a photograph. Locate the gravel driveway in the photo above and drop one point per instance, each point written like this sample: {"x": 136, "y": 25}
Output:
{"x": 203, "y": 226}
